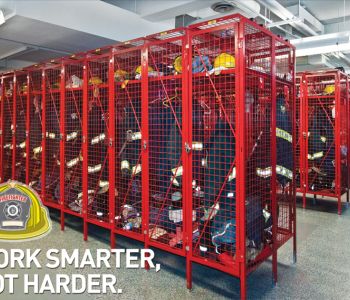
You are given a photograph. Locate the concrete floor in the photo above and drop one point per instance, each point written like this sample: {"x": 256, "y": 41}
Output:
{"x": 322, "y": 270}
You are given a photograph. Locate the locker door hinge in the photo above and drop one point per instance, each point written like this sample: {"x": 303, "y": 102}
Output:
{"x": 187, "y": 148}
{"x": 0, "y": 132}
{"x": 240, "y": 43}
{"x": 61, "y": 136}
{"x": 27, "y": 134}
{"x": 84, "y": 139}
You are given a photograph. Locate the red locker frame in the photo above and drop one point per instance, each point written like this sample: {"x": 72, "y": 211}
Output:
{"x": 129, "y": 207}
{"x": 164, "y": 135}
{"x": 52, "y": 84}
{"x": 35, "y": 77}
{"x": 71, "y": 137}
{"x": 21, "y": 86}
{"x": 8, "y": 123}
{"x": 324, "y": 114}
{"x": 299, "y": 171}
{"x": 140, "y": 122}
{"x": 264, "y": 66}
{"x": 97, "y": 140}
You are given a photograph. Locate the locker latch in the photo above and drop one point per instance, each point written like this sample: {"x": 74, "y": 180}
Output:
{"x": 27, "y": 134}
{"x": 304, "y": 134}
{"x": 110, "y": 142}
{"x": 144, "y": 145}
{"x": 0, "y": 132}
{"x": 187, "y": 148}
{"x": 61, "y": 136}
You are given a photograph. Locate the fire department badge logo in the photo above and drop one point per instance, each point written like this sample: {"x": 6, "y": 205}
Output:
{"x": 22, "y": 214}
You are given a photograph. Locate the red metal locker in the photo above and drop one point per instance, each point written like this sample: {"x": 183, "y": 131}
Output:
{"x": 96, "y": 138}
{"x": 324, "y": 114}
{"x": 71, "y": 166}
{"x": 244, "y": 77}
{"x": 165, "y": 85}
{"x": 34, "y": 127}
{"x": 52, "y": 84}
{"x": 129, "y": 214}
{"x": 21, "y": 86}
{"x": 8, "y": 123}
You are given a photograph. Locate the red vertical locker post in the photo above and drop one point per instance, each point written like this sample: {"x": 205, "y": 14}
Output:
{"x": 245, "y": 201}
{"x": 96, "y": 139}
{"x": 128, "y": 161}
{"x": 8, "y": 92}
{"x": 71, "y": 137}
{"x": 286, "y": 143}
{"x": 299, "y": 134}
{"x": 21, "y": 86}
{"x": 14, "y": 126}
{"x": 166, "y": 95}
{"x": 325, "y": 128}
{"x": 348, "y": 129}
{"x": 52, "y": 84}
{"x": 2, "y": 96}
{"x": 34, "y": 127}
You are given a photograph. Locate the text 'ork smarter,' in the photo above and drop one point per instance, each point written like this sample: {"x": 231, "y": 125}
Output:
{"x": 58, "y": 283}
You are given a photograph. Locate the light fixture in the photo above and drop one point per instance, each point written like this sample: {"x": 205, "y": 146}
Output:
{"x": 2, "y": 17}
{"x": 323, "y": 49}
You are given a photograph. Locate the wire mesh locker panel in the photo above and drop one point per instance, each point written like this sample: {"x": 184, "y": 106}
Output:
{"x": 50, "y": 179}
{"x": 128, "y": 192}
{"x": 242, "y": 81}
{"x": 97, "y": 141}
{"x": 259, "y": 100}
{"x": 286, "y": 152}
{"x": 214, "y": 85}
{"x": 8, "y": 127}
{"x": 72, "y": 191}
{"x": 166, "y": 91}
{"x": 344, "y": 123}
{"x": 299, "y": 135}
{"x": 34, "y": 150}
{"x": 21, "y": 120}
{"x": 326, "y": 148}
{"x": 1, "y": 125}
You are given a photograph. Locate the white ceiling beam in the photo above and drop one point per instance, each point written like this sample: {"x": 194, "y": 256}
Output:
{"x": 13, "y": 52}
{"x": 283, "y": 13}
{"x": 302, "y": 13}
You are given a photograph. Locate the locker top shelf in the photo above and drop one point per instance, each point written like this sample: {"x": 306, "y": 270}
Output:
{"x": 236, "y": 18}
{"x": 322, "y": 73}
{"x": 7, "y": 75}
{"x": 169, "y": 34}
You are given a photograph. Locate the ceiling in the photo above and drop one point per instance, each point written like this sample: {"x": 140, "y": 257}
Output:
{"x": 36, "y": 31}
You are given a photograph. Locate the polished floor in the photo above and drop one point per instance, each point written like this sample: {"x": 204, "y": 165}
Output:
{"x": 321, "y": 272}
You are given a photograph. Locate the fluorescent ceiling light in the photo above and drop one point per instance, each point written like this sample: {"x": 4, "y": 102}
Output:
{"x": 2, "y": 17}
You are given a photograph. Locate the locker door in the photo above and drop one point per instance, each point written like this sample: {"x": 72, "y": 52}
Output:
{"x": 21, "y": 118}
{"x": 8, "y": 127}
{"x": 35, "y": 129}
{"x": 128, "y": 154}
{"x": 50, "y": 178}
{"x": 73, "y": 136}
{"x": 97, "y": 141}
